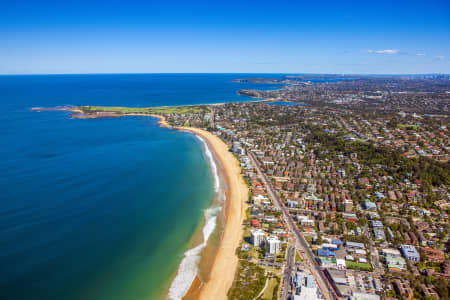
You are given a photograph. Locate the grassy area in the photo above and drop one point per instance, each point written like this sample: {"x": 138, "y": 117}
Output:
{"x": 281, "y": 257}
{"x": 248, "y": 283}
{"x": 144, "y": 110}
{"x": 437, "y": 267}
{"x": 247, "y": 232}
{"x": 272, "y": 270}
{"x": 254, "y": 253}
{"x": 271, "y": 289}
{"x": 308, "y": 239}
{"x": 407, "y": 126}
{"x": 358, "y": 266}
{"x": 248, "y": 212}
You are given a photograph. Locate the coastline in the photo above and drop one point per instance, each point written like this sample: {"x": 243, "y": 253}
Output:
{"x": 193, "y": 270}
{"x": 78, "y": 114}
{"x": 225, "y": 262}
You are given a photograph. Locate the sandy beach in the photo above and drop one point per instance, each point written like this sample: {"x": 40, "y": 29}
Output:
{"x": 225, "y": 263}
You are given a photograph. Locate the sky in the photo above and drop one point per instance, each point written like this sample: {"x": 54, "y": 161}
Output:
{"x": 364, "y": 37}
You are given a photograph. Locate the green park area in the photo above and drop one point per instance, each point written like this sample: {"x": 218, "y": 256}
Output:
{"x": 407, "y": 126}
{"x": 358, "y": 266}
{"x": 166, "y": 110}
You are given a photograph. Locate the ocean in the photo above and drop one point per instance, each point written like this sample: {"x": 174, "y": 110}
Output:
{"x": 104, "y": 208}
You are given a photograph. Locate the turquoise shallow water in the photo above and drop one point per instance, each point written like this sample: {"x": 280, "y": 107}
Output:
{"x": 100, "y": 209}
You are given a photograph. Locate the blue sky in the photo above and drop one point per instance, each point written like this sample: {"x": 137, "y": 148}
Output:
{"x": 230, "y": 36}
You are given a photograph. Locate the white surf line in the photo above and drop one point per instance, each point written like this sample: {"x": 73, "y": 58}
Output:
{"x": 188, "y": 268}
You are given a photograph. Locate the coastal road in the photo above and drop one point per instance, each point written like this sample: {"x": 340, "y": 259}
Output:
{"x": 300, "y": 241}
{"x": 289, "y": 268}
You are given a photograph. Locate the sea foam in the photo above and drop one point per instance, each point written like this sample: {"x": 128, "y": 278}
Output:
{"x": 189, "y": 265}
{"x": 212, "y": 163}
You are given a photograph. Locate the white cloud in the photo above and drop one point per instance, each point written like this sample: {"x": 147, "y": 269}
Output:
{"x": 386, "y": 51}
{"x": 420, "y": 54}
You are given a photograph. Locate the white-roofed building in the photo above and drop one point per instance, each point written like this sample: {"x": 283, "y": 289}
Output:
{"x": 340, "y": 263}
{"x": 274, "y": 245}
{"x": 391, "y": 252}
{"x": 306, "y": 287}
{"x": 364, "y": 296}
{"x": 257, "y": 237}
{"x": 354, "y": 245}
{"x": 305, "y": 220}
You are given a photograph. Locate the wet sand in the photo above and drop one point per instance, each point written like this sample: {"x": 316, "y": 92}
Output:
{"x": 225, "y": 262}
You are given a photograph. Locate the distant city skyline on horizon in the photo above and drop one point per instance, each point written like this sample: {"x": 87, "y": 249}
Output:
{"x": 237, "y": 73}
{"x": 112, "y": 37}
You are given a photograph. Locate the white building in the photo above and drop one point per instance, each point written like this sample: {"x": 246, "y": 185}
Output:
{"x": 237, "y": 148}
{"x": 360, "y": 251}
{"x": 306, "y": 287}
{"x": 273, "y": 244}
{"x": 340, "y": 264}
{"x": 305, "y": 220}
{"x": 364, "y": 296}
{"x": 257, "y": 237}
{"x": 354, "y": 245}
{"x": 362, "y": 260}
{"x": 292, "y": 204}
{"x": 391, "y": 252}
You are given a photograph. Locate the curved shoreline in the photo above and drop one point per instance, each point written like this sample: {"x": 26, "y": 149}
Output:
{"x": 225, "y": 261}
{"x": 187, "y": 281}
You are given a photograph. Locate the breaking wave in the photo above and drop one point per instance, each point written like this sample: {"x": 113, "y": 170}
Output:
{"x": 189, "y": 265}
{"x": 212, "y": 163}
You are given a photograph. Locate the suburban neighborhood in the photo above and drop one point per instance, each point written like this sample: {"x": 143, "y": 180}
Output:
{"x": 344, "y": 203}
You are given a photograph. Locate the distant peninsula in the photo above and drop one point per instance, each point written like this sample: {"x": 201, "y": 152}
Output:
{"x": 94, "y": 112}
{"x": 224, "y": 265}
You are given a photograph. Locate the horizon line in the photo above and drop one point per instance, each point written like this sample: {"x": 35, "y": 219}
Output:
{"x": 154, "y": 73}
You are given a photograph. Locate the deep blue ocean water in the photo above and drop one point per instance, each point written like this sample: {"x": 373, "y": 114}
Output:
{"x": 102, "y": 208}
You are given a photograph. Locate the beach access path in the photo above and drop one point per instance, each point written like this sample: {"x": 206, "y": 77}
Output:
{"x": 225, "y": 263}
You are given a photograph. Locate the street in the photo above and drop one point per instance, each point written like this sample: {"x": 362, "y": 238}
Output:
{"x": 300, "y": 242}
{"x": 290, "y": 261}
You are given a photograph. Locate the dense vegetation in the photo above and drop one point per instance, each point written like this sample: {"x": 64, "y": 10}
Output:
{"x": 428, "y": 171}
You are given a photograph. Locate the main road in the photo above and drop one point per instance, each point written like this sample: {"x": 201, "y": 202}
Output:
{"x": 300, "y": 241}
{"x": 289, "y": 268}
